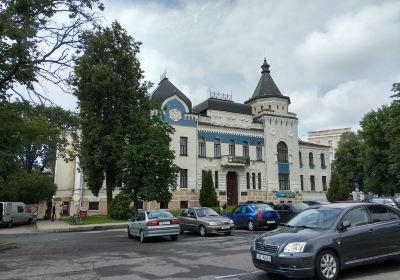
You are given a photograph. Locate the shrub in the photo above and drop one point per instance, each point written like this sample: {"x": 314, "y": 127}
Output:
{"x": 208, "y": 196}
{"x": 120, "y": 208}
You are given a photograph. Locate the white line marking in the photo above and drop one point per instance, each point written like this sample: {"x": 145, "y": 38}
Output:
{"x": 234, "y": 275}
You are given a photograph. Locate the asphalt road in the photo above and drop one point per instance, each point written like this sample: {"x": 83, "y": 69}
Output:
{"x": 111, "y": 255}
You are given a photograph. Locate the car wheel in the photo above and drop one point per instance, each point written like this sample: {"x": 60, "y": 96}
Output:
{"x": 227, "y": 233}
{"x": 202, "y": 231}
{"x": 129, "y": 234}
{"x": 29, "y": 221}
{"x": 174, "y": 237}
{"x": 9, "y": 224}
{"x": 142, "y": 238}
{"x": 250, "y": 225}
{"x": 327, "y": 265}
{"x": 182, "y": 231}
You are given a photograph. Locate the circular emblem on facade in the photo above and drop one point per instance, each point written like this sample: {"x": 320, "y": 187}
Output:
{"x": 175, "y": 115}
{"x": 272, "y": 131}
{"x": 290, "y": 133}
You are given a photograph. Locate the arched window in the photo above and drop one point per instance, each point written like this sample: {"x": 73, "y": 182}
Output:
{"x": 217, "y": 148}
{"x": 245, "y": 149}
{"x": 259, "y": 151}
{"x": 231, "y": 147}
{"x": 282, "y": 152}
{"x": 202, "y": 147}
{"x": 311, "y": 159}
{"x": 323, "y": 161}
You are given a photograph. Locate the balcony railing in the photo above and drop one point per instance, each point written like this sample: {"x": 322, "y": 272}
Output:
{"x": 235, "y": 160}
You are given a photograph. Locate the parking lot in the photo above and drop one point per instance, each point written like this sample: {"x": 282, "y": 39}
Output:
{"x": 111, "y": 255}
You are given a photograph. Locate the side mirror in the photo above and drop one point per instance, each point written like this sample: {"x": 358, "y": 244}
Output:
{"x": 345, "y": 225}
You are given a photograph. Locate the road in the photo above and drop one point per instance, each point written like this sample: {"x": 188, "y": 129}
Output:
{"x": 111, "y": 255}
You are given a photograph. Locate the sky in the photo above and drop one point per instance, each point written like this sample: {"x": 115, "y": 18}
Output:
{"x": 336, "y": 60}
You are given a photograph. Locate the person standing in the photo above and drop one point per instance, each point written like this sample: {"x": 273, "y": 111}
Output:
{"x": 53, "y": 213}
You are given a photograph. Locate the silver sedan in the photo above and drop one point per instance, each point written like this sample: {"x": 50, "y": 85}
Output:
{"x": 153, "y": 223}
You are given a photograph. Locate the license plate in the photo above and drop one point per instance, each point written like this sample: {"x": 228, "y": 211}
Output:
{"x": 270, "y": 222}
{"x": 264, "y": 258}
{"x": 225, "y": 227}
{"x": 164, "y": 223}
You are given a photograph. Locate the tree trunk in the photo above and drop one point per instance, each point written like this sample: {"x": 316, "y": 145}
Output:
{"x": 109, "y": 190}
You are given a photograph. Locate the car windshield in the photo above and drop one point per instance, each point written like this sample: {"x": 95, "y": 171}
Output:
{"x": 322, "y": 218}
{"x": 159, "y": 214}
{"x": 300, "y": 206}
{"x": 205, "y": 212}
{"x": 262, "y": 206}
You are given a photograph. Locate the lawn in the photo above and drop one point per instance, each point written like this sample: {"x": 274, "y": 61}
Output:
{"x": 3, "y": 242}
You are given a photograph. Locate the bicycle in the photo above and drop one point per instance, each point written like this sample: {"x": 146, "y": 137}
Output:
{"x": 76, "y": 220}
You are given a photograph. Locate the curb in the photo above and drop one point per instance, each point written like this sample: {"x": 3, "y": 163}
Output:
{"x": 77, "y": 228}
{"x": 9, "y": 245}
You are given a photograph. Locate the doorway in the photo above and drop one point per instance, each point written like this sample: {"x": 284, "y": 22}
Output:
{"x": 232, "y": 188}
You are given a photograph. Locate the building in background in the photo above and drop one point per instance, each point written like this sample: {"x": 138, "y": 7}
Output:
{"x": 252, "y": 149}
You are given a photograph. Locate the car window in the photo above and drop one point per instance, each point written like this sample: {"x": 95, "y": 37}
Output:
{"x": 394, "y": 215}
{"x": 205, "y": 212}
{"x": 286, "y": 207}
{"x": 322, "y": 218}
{"x": 159, "y": 215}
{"x": 378, "y": 200}
{"x": 357, "y": 217}
{"x": 184, "y": 213}
{"x": 300, "y": 206}
{"x": 191, "y": 213}
{"x": 236, "y": 210}
{"x": 20, "y": 209}
{"x": 140, "y": 217}
{"x": 244, "y": 210}
{"x": 378, "y": 213}
{"x": 261, "y": 207}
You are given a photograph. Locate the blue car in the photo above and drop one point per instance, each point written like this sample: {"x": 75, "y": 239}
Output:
{"x": 254, "y": 215}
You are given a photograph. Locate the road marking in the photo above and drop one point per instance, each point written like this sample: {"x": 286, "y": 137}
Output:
{"x": 235, "y": 275}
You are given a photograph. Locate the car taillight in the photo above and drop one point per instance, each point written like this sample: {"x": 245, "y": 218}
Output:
{"x": 175, "y": 222}
{"x": 151, "y": 223}
{"x": 259, "y": 216}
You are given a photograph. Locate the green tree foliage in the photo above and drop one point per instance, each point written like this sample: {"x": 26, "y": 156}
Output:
{"x": 337, "y": 191}
{"x": 348, "y": 162}
{"x": 36, "y": 45}
{"x": 208, "y": 196}
{"x": 120, "y": 208}
{"x": 394, "y": 138}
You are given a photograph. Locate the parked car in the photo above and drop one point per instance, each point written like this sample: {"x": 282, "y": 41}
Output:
{"x": 204, "y": 221}
{"x": 390, "y": 201}
{"x": 12, "y": 213}
{"x": 329, "y": 238}
{"x": 315, "y": 202}
{"x": 153, "y": 223}
{"x": 254, "y": 215}
{"x": 288, "y": 210}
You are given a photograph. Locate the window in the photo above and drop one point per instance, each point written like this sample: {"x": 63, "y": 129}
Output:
{"x": 282, "y": 152}
{"x": 284, "y": 182}
{"x": 20, "y": 209}
{"x": 183, "y": 146}
{"x": 254, "y": 180}
{"x": 301, "y": 182}
{"x": 244, "y": 210}
{"x": 217, "y": 148}
{"x": 259, "y": 181}
{"x": 231, "y": 147}
{"x": 356, "y": 217}
{"x": 245, "y": 149}
{"x": 378, "y": 213}
{"x": 94, "y": 206}
{"x": 323, "y": 166}
{"x": 184, "y": 178}
{"x": 202, "y": 147}
{"x": 269, "y": 106}
{"x": 183, "y": 204}
{"x": 301, "y": 160}
{"x": 330, "y": 143}
{"x": 248, "y": 180}
{"x": 394, "y": 215}
{"x": 312, "y": 181}
{"x": 324, "y": 188}
{"x": 216, "y": 179}
{"x": 163, "y": 205}
{"x": 311, "y": 159}
{"x": 259, "y": 151}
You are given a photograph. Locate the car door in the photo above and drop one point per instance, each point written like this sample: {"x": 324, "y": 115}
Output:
{"x": 235, "y": 215}
{"x": 183, "y": 219}
{"x": 192, "y": 220}
{"x": 136, "y": 224}
{"x": 357, "y": 242}
{"x": 244, "y": 215}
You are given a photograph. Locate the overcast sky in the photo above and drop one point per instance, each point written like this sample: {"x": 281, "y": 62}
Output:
{"x": 336, "y": 60}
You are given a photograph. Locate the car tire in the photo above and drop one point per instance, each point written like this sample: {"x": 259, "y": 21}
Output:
{"x": 129, "y": 234}
{"x": 29, "y": 221}
{"x": 202, "y": 231}
{"x": 141, "y": 237}
{"x": 250, "y": 225}
{"x": 327, "y": 265}
{"x": 182, "y": 231}
{"x": 227, "y": 233}
{"x": 174, "y": 237}
{"x": 10, "y": 224}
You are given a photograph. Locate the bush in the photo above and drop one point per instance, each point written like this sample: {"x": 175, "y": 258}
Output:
{"x": 208, "y": 196}
{"x": 120, "y": 208}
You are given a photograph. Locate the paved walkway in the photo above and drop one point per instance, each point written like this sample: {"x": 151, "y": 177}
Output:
{"x": 60, "y": 226}
{"x": 18, "y": 229}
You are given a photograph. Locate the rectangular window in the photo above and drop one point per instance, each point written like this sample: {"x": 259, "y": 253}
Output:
{"x": 259, "y": 152}
{"x": 183, "y": 204}
{"x": 202, "y": 148}
{"x": 20, "y": 209}
{"x": 93, "y": 206}
{"x": 163, "y": 205}
{"x": 184, "y": 178}
{"x": 259, "y": 181}
{"x": 254, "y": 180}
{"x": 284, "y": 184}
{"x": 302, "y": 182}
{"x": 245, "y": 151}
{"x": 217, "y": 149}
{"x": 248, "y": 180}
{"x": 183, "y": 146}
{"x": 216, "y": 179}
{"x": 301, "y": 160}
{"x": 312, "y": 180}
{"x": 324, "y": 188}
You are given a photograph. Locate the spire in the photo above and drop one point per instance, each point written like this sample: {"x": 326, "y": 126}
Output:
{"x": 265, "y": 66}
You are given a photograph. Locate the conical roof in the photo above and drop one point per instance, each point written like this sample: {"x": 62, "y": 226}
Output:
{"x": 167, "y": 89}
{"x": 266, "y": 86}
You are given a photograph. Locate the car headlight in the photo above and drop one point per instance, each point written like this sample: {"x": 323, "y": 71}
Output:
{"x": 295, "y": 247}
{"x": 213, "y": 223}
{"x": 230, "y": 221}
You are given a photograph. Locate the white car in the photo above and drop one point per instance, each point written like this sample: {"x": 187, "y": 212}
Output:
{"x": 12, "y": 213}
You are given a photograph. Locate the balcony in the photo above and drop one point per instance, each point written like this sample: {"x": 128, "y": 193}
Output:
{"x": 235, "y": 161}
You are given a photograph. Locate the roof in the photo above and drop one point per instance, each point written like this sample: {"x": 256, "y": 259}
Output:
{"x": 266, "y": 86}
{"x": 222, "y": 105}
{"x": 301, "y": 142}
{"x": 165, "y": 90}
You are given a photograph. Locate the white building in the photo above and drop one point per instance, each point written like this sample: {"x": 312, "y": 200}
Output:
{"x": 252, "y": 149}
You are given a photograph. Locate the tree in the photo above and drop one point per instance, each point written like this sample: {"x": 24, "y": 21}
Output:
{"x": 337, "y": 191}
{"x": 37, "y": 47}
{"x": 208, "y": 196}
{"x": 394, "y": 138}
{"x": 120, "y": 208}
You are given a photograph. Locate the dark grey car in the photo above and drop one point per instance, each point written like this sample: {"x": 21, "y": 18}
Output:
{"x": 330, "y": 238}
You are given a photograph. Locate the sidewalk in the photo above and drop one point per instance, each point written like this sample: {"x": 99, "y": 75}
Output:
{"x": 59, "y": 226}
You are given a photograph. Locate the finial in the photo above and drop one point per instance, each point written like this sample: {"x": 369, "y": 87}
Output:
{"x": 265, "y": 66}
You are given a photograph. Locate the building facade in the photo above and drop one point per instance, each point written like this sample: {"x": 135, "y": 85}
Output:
{"x": 252, "y": 149}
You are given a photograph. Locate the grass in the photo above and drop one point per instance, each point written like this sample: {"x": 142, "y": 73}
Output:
{"x": 3, "y": 242}
{"x": 90, "y": 220}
